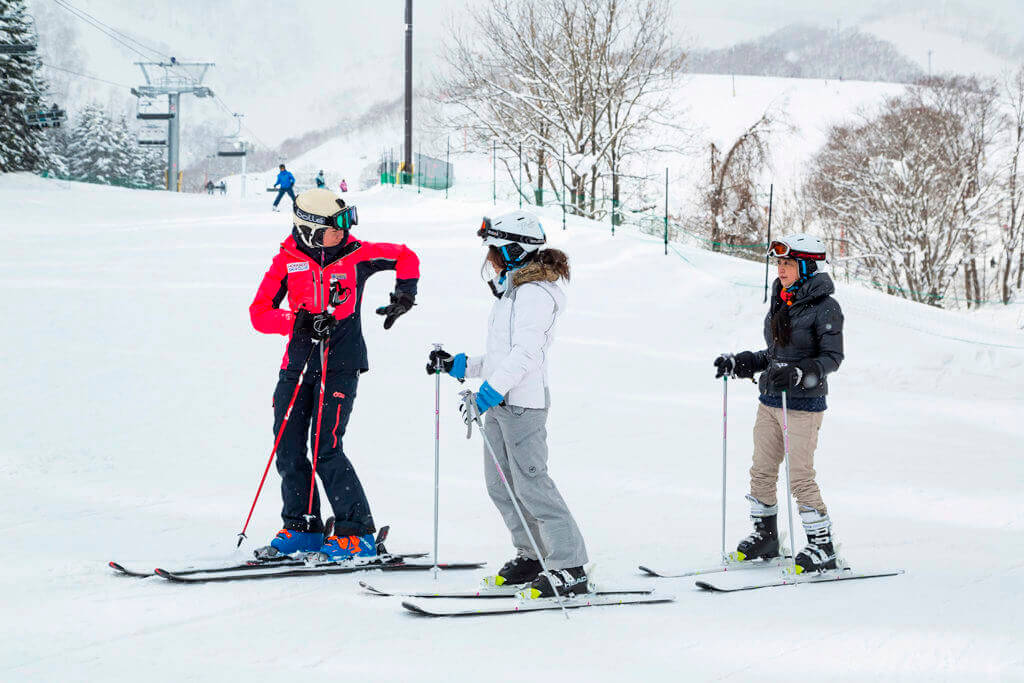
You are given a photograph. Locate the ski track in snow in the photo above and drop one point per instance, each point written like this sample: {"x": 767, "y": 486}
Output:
{"x": 137, "y": 422}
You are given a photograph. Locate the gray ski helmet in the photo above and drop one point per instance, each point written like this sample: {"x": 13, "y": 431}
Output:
{"x": 515, "y": 235}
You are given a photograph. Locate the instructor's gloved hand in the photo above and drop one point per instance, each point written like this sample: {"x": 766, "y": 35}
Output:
{"x": 322, "y": 326}
{"x": 400, "y": 304}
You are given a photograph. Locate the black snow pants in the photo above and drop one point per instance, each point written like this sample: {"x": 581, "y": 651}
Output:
{"x": 341, "y": 484}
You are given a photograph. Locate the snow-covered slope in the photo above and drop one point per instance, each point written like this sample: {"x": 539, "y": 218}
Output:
{"x": 137, "y": 421}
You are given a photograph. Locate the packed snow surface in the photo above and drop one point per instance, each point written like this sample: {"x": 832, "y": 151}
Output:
{"x": 137, "y": 422}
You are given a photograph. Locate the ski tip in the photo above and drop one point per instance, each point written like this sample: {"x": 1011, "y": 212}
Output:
{"x": 116, "y": 566}
{"x": 163, "y": 573}
{"x": 648, "y": 571}
{"x": 704, "y": 585}
{"x": 416, "y": 609}
{"x": 370, "y": 589}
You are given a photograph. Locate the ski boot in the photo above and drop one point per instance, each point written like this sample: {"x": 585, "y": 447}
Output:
{"x": 519, "y": 570}
{"x": 341, "y": 548}
{"x": 819, "y": 553}
{"x": 763, "y": 542}
{"x": 289, "y": 542}
{"x": 569, "y": 582}
{"x": 275, "y": 208}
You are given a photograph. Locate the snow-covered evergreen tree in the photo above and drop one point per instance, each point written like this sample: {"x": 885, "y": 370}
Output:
{"x": 22, "y": 90}
{"x": 96, "y": 147}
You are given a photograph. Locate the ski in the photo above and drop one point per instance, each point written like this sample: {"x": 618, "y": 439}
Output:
{"x": 537, "y": 605}
{"x": 792, "y": 580}
{"x": 393, "y": 563}
{"x": 730, "y": 566}
{"x": 490, "y": 592}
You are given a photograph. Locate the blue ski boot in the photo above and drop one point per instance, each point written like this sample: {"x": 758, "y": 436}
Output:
{"x": 289, "y": 542}
{"x": 340, "y": 548}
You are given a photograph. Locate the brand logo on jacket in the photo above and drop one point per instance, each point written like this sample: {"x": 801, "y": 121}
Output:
{"x": 296, "y": 267}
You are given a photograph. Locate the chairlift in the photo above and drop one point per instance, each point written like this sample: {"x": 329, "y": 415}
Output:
{"x": 46, "y": 118}
{"x": 153, "y": 109}
{"x": 232, "y": 146}
{"x": 152, "y": 135}
{"x": 8, "y": 47}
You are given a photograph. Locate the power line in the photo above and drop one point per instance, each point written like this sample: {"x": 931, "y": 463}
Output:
{"x": 107, "y": 30}
{"x": 76, "y": 73}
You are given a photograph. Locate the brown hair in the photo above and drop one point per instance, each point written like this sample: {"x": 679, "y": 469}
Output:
{"x": 555, "y": 259}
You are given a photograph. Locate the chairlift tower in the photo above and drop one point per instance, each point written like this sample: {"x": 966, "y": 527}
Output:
{"x": 173, "y": 79}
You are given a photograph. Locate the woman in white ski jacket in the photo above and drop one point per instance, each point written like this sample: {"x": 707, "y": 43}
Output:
{"x": 515, "y": 398}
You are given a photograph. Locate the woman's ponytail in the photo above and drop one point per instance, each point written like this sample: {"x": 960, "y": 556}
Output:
{"x": 556, "y": 260}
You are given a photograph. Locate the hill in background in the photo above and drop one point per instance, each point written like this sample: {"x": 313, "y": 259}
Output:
{"x": 805, "y": 51}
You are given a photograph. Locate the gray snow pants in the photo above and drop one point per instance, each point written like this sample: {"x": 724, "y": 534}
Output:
{"x": 519, "y": 439}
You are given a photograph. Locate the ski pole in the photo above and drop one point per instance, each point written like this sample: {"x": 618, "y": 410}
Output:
{"x": 470, "y": 402}
{"x": 316, "y": 441}
{"x": 333, "y": 299}
{"x": 725, "y": 408}
{"x": 789, "y": 497}
{"x": 437, "y": 447}
{"x": 277, "y": 441}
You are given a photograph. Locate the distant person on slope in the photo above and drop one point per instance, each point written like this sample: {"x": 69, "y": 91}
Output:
{"x": 343, "y": 185}
{"x": 320, "y": 181}
{"x": 804, "y": 334}
{"x": 322, "y": 269}
{"x": 515, "y": 397}
{"x": 285, "y": 183}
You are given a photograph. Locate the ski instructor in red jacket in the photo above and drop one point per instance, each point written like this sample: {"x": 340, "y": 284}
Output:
{"x": 322, "y": 270}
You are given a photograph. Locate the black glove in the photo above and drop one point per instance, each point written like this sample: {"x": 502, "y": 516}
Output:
{"x": 400, "y": 305}
{"x": 725, "y": 363}
{"x": 740, "y": 365}
{"x": 787, "y": 376}
{"x": 318, "y": 326}
{"x": 446, "y": 361}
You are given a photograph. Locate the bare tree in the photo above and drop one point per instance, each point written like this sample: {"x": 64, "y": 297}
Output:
{"x": 1012, "y": 253}
{"x": 908, "y": 187}
{"x": 583, "y": 76}
{"x": 730, "y": 200}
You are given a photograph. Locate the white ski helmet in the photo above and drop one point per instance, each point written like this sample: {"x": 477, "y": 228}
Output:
{"x": 516, "y": 235}
{"x": 319, "y": 210}
{"x": 805, "y": 249}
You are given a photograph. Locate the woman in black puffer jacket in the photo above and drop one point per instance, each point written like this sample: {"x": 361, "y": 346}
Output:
{"x": 804, "y": 334}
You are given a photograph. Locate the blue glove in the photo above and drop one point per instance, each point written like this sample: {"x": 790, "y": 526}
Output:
{"x": 487, "y": 398}
{"x": 458, "y": 368}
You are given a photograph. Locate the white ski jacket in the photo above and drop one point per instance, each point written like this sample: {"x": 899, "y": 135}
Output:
{"x": 519, "y": 333}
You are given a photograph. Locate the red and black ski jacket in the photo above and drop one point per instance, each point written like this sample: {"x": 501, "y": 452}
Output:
{"x": 307, "y": 282}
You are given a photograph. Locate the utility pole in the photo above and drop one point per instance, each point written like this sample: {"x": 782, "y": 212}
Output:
{"x": 407, "y": 165}
{"x": 174, "y": 82}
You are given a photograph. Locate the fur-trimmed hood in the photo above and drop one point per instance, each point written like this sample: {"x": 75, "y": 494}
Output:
{"x": 534, "y": 272}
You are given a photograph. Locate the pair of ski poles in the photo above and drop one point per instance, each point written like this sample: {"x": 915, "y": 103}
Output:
{"x": 785, "y": 450}
{"x": 335, "y": 297}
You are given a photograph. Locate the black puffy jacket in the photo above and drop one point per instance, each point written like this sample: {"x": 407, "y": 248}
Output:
{"x": 817, "y": 334}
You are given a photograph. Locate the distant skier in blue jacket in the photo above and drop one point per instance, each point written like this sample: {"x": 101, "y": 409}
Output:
{"x": 285, "y": 182}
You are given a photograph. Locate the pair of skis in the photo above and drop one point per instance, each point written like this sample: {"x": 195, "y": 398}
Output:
{"x": 596, "y": 598}
{"x": 285, "y": 567}
{"x": 782, "y": 579}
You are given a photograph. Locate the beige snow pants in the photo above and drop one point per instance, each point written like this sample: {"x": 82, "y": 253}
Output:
{"x": 768, "y": 456}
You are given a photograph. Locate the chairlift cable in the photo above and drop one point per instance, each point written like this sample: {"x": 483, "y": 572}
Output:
{"x": 76, "y": 73}
{"x": 108, "y": 31}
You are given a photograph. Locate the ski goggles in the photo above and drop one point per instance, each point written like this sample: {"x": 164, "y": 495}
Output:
{"x": 343, "y": 219}
{"x": 782, "y": 250}
{"x": 487, "y": 230}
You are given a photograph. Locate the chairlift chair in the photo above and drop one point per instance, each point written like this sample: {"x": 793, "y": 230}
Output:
{"x": 153, "y": 109}
{"x": 152, "y": 135}
{"x": 8, "y": 47}
{"x": 231, "y": 146}
{"x": 46, "y": 118}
